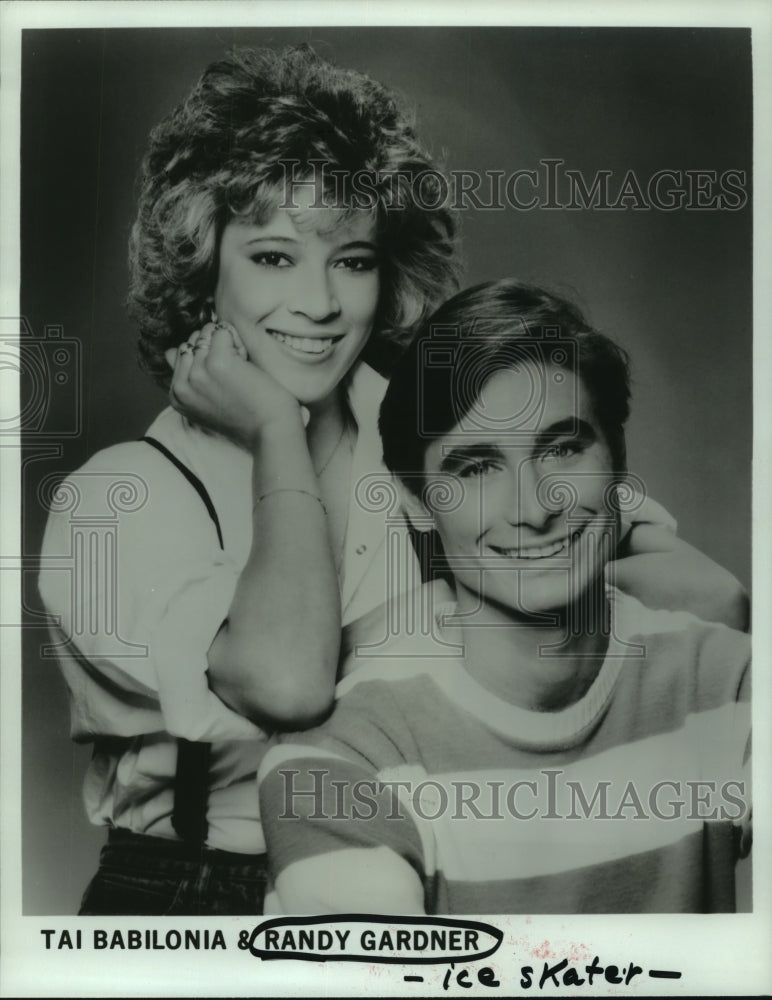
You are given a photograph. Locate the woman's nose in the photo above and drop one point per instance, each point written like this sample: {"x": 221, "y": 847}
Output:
{"x": 314, "y": 296}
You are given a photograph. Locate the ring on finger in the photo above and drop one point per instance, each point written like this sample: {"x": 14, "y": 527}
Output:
{"x": 236, "y": 341}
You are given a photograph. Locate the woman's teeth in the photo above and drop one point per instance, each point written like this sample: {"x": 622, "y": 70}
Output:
{"x": 305, "y": 345}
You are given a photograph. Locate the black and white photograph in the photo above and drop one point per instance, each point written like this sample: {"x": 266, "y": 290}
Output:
{"x": 383, "y": 454}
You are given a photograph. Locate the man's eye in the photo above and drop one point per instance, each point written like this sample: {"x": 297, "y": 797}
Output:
{"x": 479, "y": 468}
{"x": 564, "y": 449}
{"x": 357, "y": 264}
{"x": 271, "y": 258}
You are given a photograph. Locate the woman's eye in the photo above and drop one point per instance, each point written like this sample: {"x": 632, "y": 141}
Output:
{"x": 357, "y": 264}
{"x": 478, "y": 468}
{"x": 271, "y": 258}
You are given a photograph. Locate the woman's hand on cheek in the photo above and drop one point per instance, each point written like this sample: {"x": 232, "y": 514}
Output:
{"x": 663, "y": 571}
{"x": 214, "y": 384}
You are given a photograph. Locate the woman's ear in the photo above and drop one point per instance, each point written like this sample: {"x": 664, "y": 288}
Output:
{"x": 171, "y": 357}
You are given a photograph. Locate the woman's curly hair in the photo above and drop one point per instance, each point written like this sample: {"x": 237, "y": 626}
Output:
{"x": 223, "y": 154}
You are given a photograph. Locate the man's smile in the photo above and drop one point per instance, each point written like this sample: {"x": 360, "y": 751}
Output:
{"x": 545, "y": 550}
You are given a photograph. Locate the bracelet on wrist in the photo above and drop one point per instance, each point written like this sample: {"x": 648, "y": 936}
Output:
{"x": 290, "y": 489}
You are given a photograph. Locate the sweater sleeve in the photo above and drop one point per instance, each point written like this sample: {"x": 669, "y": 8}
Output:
{"x": 335, "y": 800}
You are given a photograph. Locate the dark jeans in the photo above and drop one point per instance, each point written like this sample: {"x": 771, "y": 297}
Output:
{"x": 152, "y": 876}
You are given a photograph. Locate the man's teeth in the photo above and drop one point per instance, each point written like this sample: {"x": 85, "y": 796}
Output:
{"x": 305, "y": 345}
{"x": 540, "y": 551}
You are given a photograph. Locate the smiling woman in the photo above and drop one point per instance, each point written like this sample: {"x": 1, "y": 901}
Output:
{"x": 302, "y": 292}
{"x": 256, "y": 308}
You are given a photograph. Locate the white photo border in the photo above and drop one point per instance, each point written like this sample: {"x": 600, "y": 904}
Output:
{"x": 717, "y": 955}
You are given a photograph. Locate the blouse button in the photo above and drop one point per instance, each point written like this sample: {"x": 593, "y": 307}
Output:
{"x": 361, "y": 550}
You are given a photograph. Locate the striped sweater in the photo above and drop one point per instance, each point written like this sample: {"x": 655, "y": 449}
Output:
{"x": 633, "y": 799}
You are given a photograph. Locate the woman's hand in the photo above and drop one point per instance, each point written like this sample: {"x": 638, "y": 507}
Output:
{"x": 663, "y": 571}
{"x": 215, "y": 385}
{"x": 269, "y": 662}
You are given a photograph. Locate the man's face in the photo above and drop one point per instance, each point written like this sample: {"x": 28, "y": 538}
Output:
{"x": 533, "y": 525}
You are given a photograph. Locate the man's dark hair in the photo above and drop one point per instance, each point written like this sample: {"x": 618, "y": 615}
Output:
{"x": 483, "y": 330}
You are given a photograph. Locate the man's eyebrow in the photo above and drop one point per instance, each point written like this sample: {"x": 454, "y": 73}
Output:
{"x": 567, "y": 427}
{"x": 465, "y": 452}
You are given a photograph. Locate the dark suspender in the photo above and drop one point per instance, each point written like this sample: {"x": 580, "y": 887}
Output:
{"x": 191, "y": 780}
{"x": 194, "y": 481}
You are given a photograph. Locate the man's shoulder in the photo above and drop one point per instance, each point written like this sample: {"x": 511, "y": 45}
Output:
{"x": 709, "y": 656}
{"x": 632, "y": 618}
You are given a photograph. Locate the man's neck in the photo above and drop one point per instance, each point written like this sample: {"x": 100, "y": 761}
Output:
{"x": 537, "y": 665}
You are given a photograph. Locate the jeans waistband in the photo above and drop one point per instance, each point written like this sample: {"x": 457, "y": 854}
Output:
{"x": 145, "y": 849}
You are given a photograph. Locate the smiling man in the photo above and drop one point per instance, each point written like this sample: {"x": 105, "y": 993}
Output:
{"x": 552, "y": 745}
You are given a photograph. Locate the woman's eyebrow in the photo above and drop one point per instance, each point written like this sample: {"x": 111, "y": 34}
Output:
{"x": 270, "y": 239}
{"x": 358, "y": 245}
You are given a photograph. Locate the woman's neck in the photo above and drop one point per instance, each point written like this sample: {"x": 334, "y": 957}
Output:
{"x": 326, "y": 425}
{"x": 540, "y": 666}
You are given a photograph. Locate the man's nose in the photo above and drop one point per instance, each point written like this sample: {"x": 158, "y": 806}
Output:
{"x": 314, "y": 295}
{"x": 537, "y": 500}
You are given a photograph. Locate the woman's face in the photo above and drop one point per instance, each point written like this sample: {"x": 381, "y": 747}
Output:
{"x": 302, "y": 291}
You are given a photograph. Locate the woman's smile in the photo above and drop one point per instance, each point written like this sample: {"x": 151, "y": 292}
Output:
{"x": 302, "y": 291}
{"x": 310, "y": 349}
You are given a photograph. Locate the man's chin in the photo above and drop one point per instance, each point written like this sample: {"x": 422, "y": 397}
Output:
{"x": 549, "y": 600}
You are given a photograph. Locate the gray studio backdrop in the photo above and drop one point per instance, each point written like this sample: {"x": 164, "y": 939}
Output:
{"x": 673, "y": 286}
